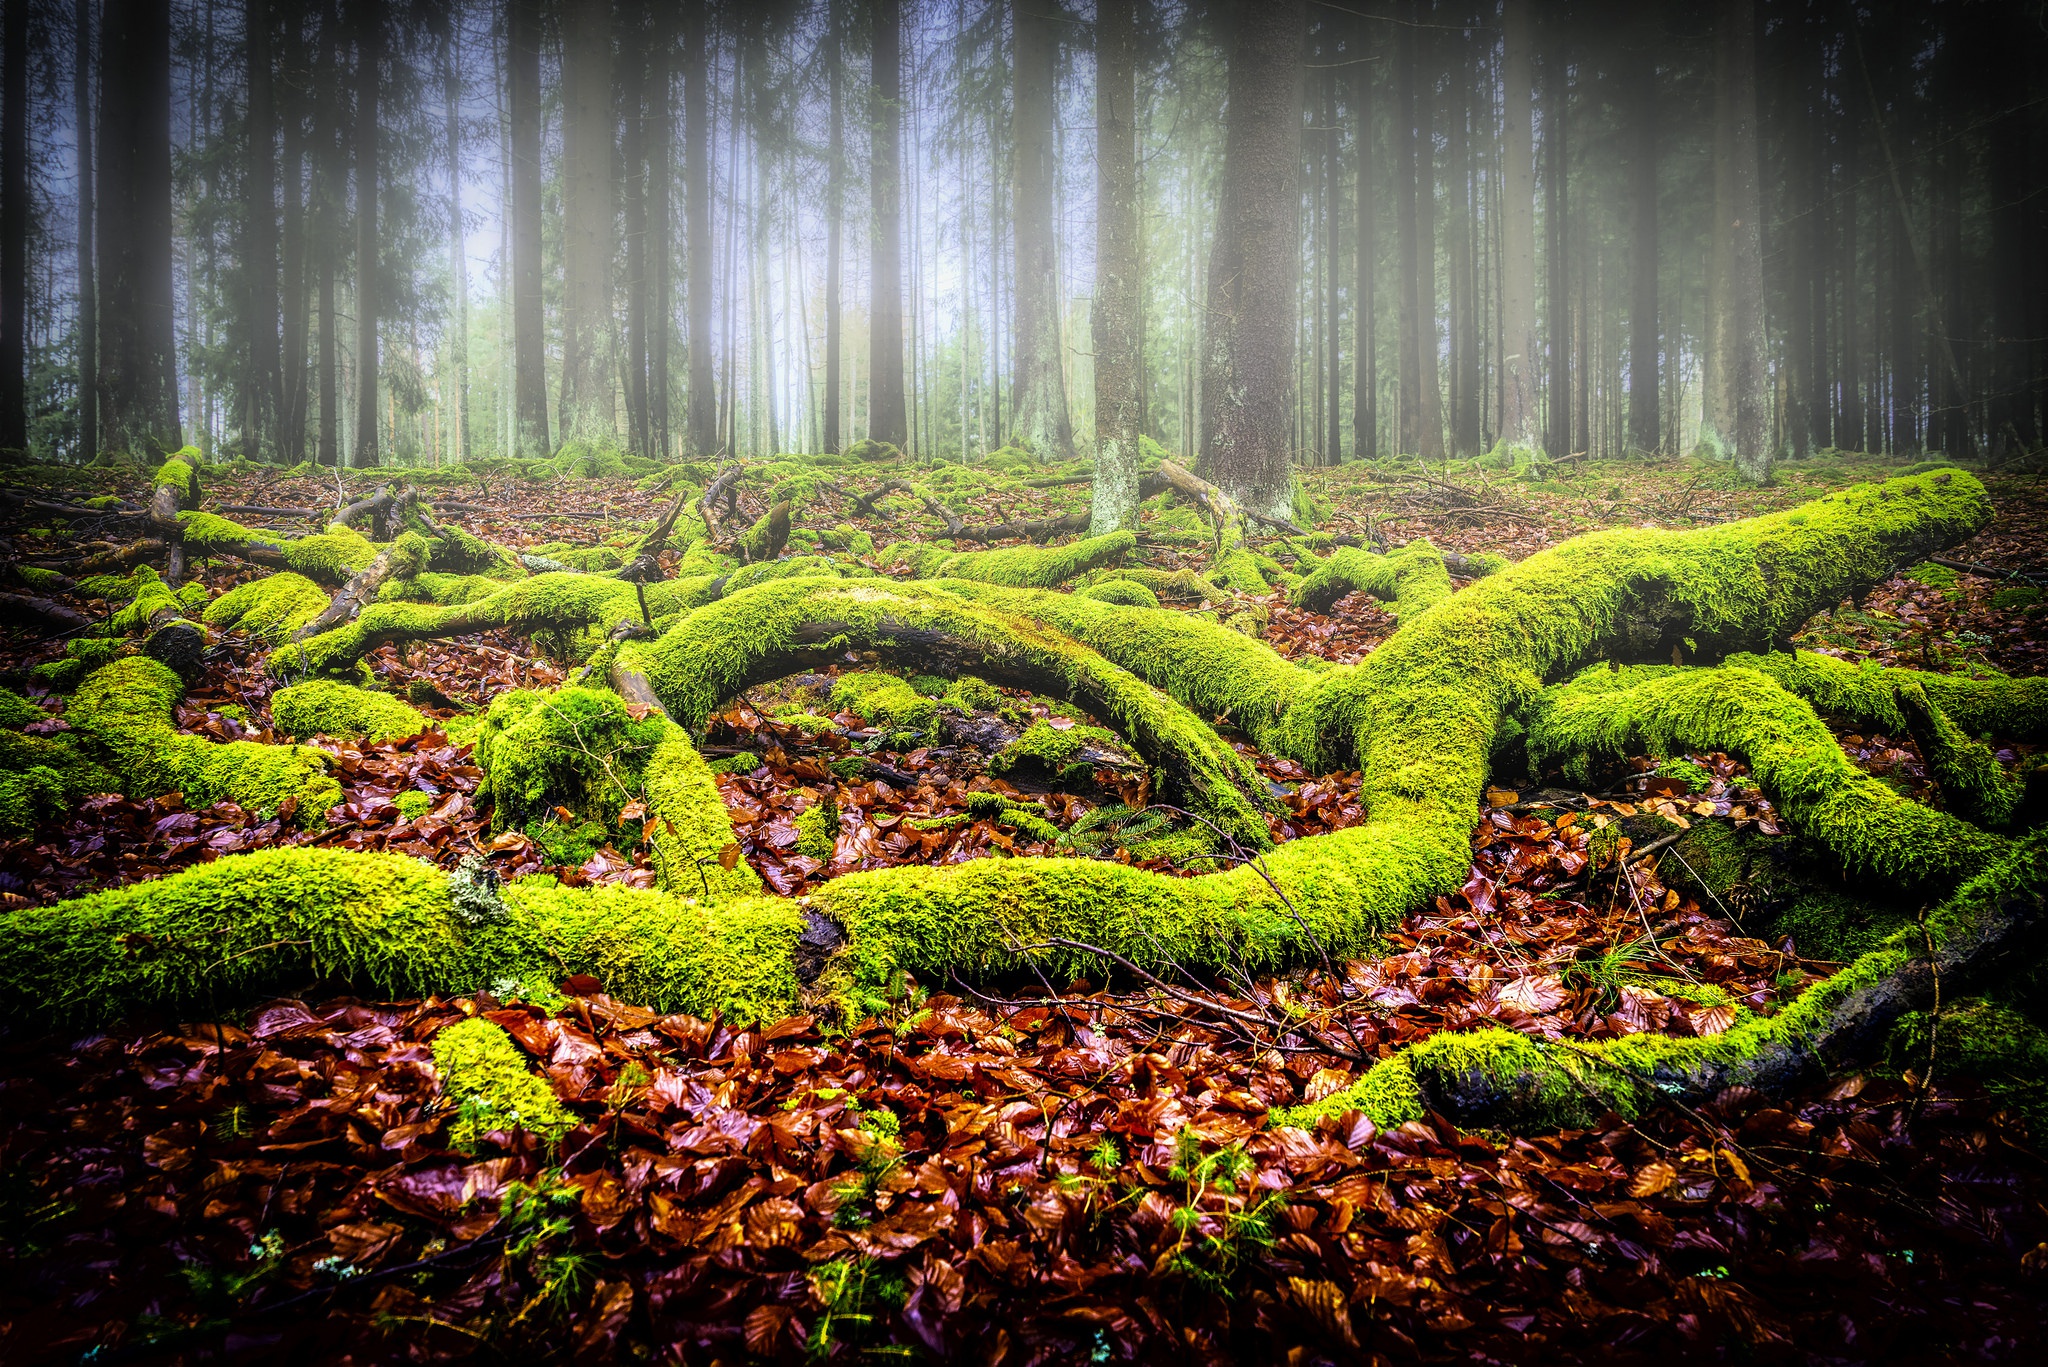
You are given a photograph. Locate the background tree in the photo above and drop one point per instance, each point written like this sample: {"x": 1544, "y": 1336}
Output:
{"x": 1117, "y": 269}
{"x": 587, "y": 223}
{"x": 522, "y": 21}
{"x": 887, "y": 418}
{"x": 369, "y": 73}
{"x": 138, "y": 381}
{"x": 1039, "y": 409}
{"x": 14, "y": 226}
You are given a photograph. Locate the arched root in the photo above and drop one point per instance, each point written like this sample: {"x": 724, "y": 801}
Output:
{"x": 1412, "y": 578}
{"x": 1866, "y": 694}
{"x": 1872, "y": 829}
{"x": 773, "y": 630}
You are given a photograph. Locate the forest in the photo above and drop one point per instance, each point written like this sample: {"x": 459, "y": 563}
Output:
{"x": 1023, "y": 681}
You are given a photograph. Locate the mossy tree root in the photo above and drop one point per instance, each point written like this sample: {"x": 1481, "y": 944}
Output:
{"x": 1866, "y": 694}
{"x": 1874, "y": 831}
{"x": 776, "y": 629}
{"x": 1413, "y": 579}
{"x": 1971, "y": 781}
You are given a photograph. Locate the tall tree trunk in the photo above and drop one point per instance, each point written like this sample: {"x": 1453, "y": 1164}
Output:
{"x": 1408, "y": 272}
{"x": 1249, "y": 387}
{"x": 291, "y": 416}
{"x": 1038, "y": 406}
{"x": 369, "y": 59}
{"x": 702, "y": 412}
{"x": 1521, "y": 345}
{"x": 458, "y": 253}
{"x": 633, "y": 159}
{"x": 1556, "y": 99}
{"x": 1739, "y": 368}
{"x": 835, "y": 213}
{"x": 887, "y": 420}
{"x": 138, "y": 338}
{"x": 330, "y": 178}
{"x": 660, "y": 228}
{"x": 1466, "y": 361}
{"x": 1429, "y": 340}
{"x": 1333, "y": 218}
{"x": 1645, "y": 427}
{"x": 529, "y": 338}
{"x": 1117, "y": 267}
{"x": 585, "y": 410}
{"x": 88, "y": 307}
{"x": 259, "y": 265}
{"x": 1365, "y": 401}
{"x": 14, "y": 231}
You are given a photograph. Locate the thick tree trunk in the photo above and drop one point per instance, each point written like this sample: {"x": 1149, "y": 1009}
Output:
{"x": 1249, "y": 384}
{"x": 1407, "y": 306}
{"x": 835, "y": 213}
{"x": 633, "y": 158}
{"x": 1739, "y": 330}
{"x": 529, "y": 337}
{"x": 702, "y": 413}
{"x": 1118, "y": 268}
{"x": 88, "y": 305}
{"x": 585, "y": 410}
{"x": 1038, "y": 407}
{"x": 660, "y": 229}
{"x": 138, "y": 377}
{"x": 1365, "y": 409}
{"x": 1645, "y": 426}
{"x": 14, "y": 229}
{"x": 293, "y": 313}
{"x": 369, "y": 60}
{"x": 1431, "y": 415}
{"x": 887, "y": 420}
{"x": 265, "y": 380}
{"x": 1520, "y": 345}
{"x": 1556, "y": 101}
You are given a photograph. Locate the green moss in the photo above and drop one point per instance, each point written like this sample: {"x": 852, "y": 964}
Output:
{"x": 1019, "y": 566}
{"x": 174, "y": 474}
{"x": 17, "y": 711}
{"x": 414, "y": 804}
{"x": 745, "y": 762}
{"x": 78, "y": 777}
{"x": 969, "y": 694}
{"x": 1695, "y": 778}
{"x": 329, "y": 557}
{"x": 884, "y": 700}
{"x": 270, "y": 608}
{"x": 817, "y": 829}
{"x": 2015, "y": 599}
{"x": 585, "y": 558}
{"x": 1933, "y": 576}
{"x": 485, "y": 1079}
{"x": 1986, "y": 1040}
{"x": 1050, "y": 748}
{"x": 1412, "y": 578}
{"x": 36, "y": 793}
{"x": 1865, "y": 694}
{"x": 1122, "y": 592}
{"x": 147, "y": 596}
{"x": 321, "y": 707}
{"x": 123, "y": 712}
{"x": 1875, "y": 831}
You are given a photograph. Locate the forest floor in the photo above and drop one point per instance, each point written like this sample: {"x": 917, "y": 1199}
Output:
{"x": 1056, "y": 1173}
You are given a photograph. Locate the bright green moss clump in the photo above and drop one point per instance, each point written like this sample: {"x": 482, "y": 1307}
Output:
{"x": 1049, "y": 747}
{"x": 885, "y": 701}
{"x": 270, "y": 608}
{"x": 1122, "y": 592}
{"x": 322, "y": 707}
{"x": 123, "y": 712}
{"x": 1022, "y": 566}
{"x": 1865, "y": 694}
{"x": 174, "y": 474}
{"x": 1413, "y": 579}
{"x": 485, "y": 1079}
{"x": 17, "y": 711}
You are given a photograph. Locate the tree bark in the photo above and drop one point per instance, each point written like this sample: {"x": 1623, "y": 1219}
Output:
{"x": 1117, "y": 268}
{"x": 1249, "y": 386}
{"x": 660, "y": 229}
{"x": 887, "y": 420}
{"x": 585, "y": 410}
{"x": 458, "y": 254}
{"x": 1038, "y": 407}
{"x": 1365, "y": 402}
{"x": 529, "y": 339}
{"x": 138, "y": 341}
{"x": 702, "y": 413}
{"x": 369, "y": 57}
{"x": 88, "y": 306}
{"x": 633, "y": 95}
{"x": 1645, "y": 427}
{"x": 1407, "y": 305}
{"x": 1739, "y": 328}
{"x": 1556, "y": 99}
{"x": 266, "y": 373}
{"x": 1520, "y": 343}
{"x": 14, "y": 230}
{"x": 835, "y": 213}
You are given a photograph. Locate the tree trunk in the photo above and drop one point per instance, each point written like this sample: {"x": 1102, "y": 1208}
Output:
{"x": 835, "y": 213}
{"x": 1038, "y": 408}
{"x": 458, "y": 254}
{"x": 1117, "y": 268}
{"x": 887, "y": 420}
{"x": 1333, "y": 218}
{"x": 88, "y": 308}
{"x": 529, "y": 336}
{"x": 138, "y": 376}
{"x": 1739, "y": 329}
{"x": 291, "y": 416}
{"x": 14, "y": 231}
{"x": 1365, "y": 401}
{"x": 1250, "y": 385}
{"x": 585, "y": 410}
{"x": 1428, "y": 340}
{"x": 701, "y": 415}
{"x": 660, "y": 230}
{"x": 1465, "y": 357}
{"x": 633, "y": 158}
{"x": 1520, "y": 343}
{"x": 369, "y": 57}
{"x": 1645, "y": 428}
{"x": 266, "y": 374}
{"x": 1556, "y": 98}
{"x": 1407, "y": 305}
